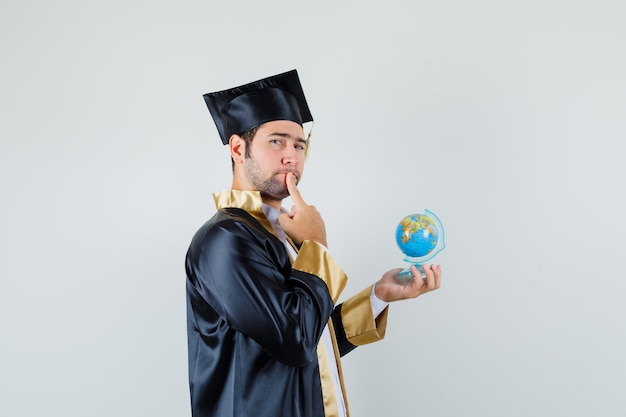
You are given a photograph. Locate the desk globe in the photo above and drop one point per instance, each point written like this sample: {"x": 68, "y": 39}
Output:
{"x": 420, "y": 237}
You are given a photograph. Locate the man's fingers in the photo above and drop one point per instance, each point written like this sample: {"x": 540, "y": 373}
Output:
{"x": 433, "y": 276}
{"x": 438, "y": 276}
{"x": 293, "y": 189}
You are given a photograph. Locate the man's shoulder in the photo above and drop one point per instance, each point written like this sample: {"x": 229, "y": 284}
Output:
{"x": 229, "y": 219}
{"x": 228, "y": 228}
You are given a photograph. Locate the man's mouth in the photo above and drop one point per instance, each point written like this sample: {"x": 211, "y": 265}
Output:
{"x": 285, "y": 172}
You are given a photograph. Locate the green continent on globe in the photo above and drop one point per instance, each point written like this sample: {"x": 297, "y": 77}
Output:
{"x": 413, "y": 224}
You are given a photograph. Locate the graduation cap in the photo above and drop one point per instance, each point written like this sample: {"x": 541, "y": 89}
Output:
{"x": 237, "y": 110}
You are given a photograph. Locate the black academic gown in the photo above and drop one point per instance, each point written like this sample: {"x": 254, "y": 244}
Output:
{"x": 254, "y": 318}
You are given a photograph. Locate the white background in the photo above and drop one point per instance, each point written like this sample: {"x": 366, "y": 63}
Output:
{"x": 506, "y": 118}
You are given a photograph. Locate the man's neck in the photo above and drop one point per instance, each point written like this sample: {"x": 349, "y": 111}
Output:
{"x": 272, "y": 202}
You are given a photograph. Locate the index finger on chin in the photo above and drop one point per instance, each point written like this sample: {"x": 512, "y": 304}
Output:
{"x": 293, "y": 189}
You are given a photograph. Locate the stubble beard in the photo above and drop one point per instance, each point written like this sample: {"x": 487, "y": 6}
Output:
{"x": 272, "y": 188}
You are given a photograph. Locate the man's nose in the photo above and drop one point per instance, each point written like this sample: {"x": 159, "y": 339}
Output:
{"x": 290, "y": 156}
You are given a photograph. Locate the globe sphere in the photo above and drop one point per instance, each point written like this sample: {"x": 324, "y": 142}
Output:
{"x": 417, "y": 235}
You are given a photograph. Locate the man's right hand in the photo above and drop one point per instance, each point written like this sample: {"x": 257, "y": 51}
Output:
{"x": 304, "y": 222}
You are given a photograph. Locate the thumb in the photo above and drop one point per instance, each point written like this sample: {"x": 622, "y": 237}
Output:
{"x": 284, "y": 219}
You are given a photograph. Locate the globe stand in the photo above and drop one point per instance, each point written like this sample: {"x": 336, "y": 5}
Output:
{"x": 406, "y": 276}
{"x": 407, "y": 273}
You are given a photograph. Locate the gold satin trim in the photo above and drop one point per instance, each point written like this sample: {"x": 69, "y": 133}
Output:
{"x": 339, "y": 369}
{"x": 314, "y": 259}
{"x": 358, "y": 320}
{"x": 331, "y": 409}
{"x": 249, "y": 201}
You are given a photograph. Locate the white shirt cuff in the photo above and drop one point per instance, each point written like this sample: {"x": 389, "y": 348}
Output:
{"x": 378, "y": 305}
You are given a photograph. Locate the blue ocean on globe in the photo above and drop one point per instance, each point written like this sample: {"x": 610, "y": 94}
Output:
{"x": 417, "y": 235}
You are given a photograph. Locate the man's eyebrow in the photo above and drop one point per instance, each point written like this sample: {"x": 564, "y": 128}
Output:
{"x": 288, "y": 136}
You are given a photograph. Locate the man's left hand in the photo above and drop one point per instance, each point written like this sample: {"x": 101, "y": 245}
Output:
{"x": 389, "y": 288}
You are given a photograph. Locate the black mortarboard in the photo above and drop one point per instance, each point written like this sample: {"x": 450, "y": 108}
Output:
{"x": 242, "y": 108}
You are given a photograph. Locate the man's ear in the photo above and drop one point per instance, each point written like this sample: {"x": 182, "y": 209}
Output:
{"x": 237, "y": 148}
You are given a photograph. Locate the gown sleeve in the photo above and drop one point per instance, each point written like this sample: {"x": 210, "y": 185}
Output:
{"x": 355, "y": 324}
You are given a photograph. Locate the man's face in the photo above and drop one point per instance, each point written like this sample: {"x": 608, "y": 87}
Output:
{"x": 277, "y": 148}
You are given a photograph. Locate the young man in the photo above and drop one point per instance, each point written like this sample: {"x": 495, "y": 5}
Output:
{"x": 265, "y": 332}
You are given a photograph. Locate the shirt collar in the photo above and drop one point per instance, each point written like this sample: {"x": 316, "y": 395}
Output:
{"x": 272, "y": 216}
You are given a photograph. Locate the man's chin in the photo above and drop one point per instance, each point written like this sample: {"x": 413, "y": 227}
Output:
{"x": 275, "y": 195}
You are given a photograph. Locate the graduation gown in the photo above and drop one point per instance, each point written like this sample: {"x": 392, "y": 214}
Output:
{"x": 255, "y": 317}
